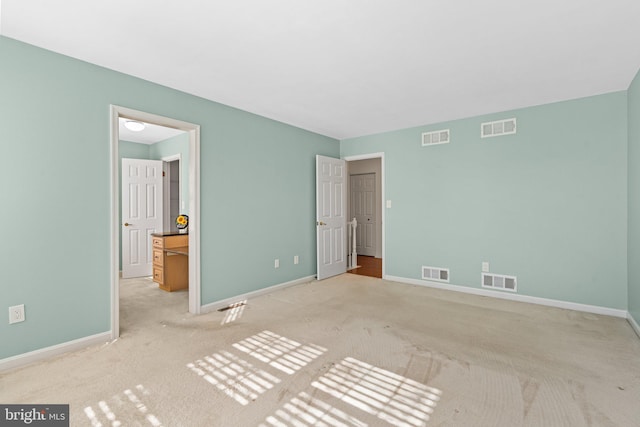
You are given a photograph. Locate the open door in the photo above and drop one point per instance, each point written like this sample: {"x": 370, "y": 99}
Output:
{"x": 141, "y": 214}
{"x": 331, "y": 218}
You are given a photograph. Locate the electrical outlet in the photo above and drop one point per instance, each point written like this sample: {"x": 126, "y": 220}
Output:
{"x": 485, "y": 267}
{"x": 276, "y": 263}
{"x": 16, "y": 314}
{"x": 296, "y": 259}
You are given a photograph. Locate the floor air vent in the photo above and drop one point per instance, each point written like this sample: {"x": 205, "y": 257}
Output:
{"x": 435, "y": 273}
{"x": 498, "y": 128}
{"x": 436, "y": 137}
{"x": 499, "y": 281}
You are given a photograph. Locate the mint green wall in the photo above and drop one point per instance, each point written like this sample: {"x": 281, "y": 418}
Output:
{"x": 178, "y": 144}
{"x": 633, "y": 98}
{"x": 547, "y": 205}
{"x": 133, "y": 150}
{"x": 257, "y": 193}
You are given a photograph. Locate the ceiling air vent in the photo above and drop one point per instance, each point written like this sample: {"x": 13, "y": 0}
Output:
{"x": 435, "y": 273}
{"x": 436, "y": 137}
{"x": 501, "y": 127}
{"x": 499, "y": 281}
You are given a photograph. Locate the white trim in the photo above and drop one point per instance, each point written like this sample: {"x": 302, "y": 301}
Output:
{"x": 54, "y": 350}
{"x": 194, "y": 206}
{"x": 228, "y": 301}
{"x": 633, "y": 324}
{"x": 514, "y": 297}
{"x": 379, "y": 155}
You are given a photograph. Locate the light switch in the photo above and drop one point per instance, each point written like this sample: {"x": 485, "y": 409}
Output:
{"x": 388, "y": 204}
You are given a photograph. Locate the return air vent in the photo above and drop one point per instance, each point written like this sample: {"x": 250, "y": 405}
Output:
{"x": 498, "y": 128}
{"x": 499, "y": 281}
{"x": 435, "y": 273}
{"x": 436, "y": 137}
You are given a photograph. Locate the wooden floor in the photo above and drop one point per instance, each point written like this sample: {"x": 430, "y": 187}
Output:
{"x": 369, "y": 266}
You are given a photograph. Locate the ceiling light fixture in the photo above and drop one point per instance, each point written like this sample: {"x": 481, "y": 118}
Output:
{"x": 134, "y": 126}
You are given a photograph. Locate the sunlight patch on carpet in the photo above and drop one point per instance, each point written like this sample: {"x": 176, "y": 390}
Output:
{"x": 306, "y": 410}
{"x": 233, "y": 312}
{"x": 233, "y": 376}
{"x": 106, "y": 415}
{"x": 279, "y": 352}
{"x": 390, "y": 397}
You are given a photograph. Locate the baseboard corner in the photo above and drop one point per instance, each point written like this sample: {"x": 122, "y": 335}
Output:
{"x": 633, "y": 323}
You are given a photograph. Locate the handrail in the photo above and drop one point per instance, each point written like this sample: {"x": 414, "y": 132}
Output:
{"x": 353, "y": 255}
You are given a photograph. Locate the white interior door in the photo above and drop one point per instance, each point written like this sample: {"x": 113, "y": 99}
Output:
{"x": 331, "y": 219}
{"x": 363, "y": 208}
{"x": 141, "y": 214}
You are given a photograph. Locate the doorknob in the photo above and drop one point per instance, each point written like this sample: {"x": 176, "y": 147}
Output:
{"x": 320, "y": 223}
{"x": 126, "y": 224}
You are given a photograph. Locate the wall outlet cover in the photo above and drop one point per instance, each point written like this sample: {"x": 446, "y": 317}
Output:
{"x": 485, "y": 267}
{"x": 16, "y": 314}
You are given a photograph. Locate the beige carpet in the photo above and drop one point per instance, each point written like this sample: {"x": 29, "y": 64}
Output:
{"x": 347, "y": 351}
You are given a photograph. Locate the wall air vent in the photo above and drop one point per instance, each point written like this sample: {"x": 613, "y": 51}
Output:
{"x": 498, "y": 128}
{"x": 499, "y": 281}
{"x": 436, "y": 137}
{"x": 435, "y": 273}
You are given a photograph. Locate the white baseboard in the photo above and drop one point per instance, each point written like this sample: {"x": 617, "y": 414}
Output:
{"x": 55, "y": 350}
{"x": 515, "y": 297}
{"x": 228, "y": 301}
{"x": 633, "y": 324}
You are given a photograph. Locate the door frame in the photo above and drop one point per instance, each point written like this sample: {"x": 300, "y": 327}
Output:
{"x": 116, "y": 112}
{"x": 380, "y": 156}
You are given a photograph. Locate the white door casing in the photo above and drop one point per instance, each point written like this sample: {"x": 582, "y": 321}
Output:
{"x": 331, "y": 219}
{"x": 193, "y": 130}
{"x": 141, "y": 214}
{"x": 363, "y": 208}
{"x": 380, "y": 187}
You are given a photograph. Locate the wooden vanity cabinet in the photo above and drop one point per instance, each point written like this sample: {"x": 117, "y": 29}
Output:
{"x": 171, "y": 261}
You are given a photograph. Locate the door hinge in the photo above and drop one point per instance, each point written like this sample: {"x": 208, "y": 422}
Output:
{"x": 162, "y": 173}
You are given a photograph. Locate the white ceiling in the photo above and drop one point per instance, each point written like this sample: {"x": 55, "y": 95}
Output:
{"x": 349, "y": 68}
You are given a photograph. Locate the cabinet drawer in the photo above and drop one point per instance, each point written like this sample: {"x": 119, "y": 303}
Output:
{"x": 176, "y": 241}
{"x": 158, "y": 242}
{"x": 158, "y": 275}
{"x": 157, "y": 257}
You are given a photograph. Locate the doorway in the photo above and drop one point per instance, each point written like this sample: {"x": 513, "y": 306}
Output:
{"x": 193, "y": 131}
{"x": 366, "y": 200}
